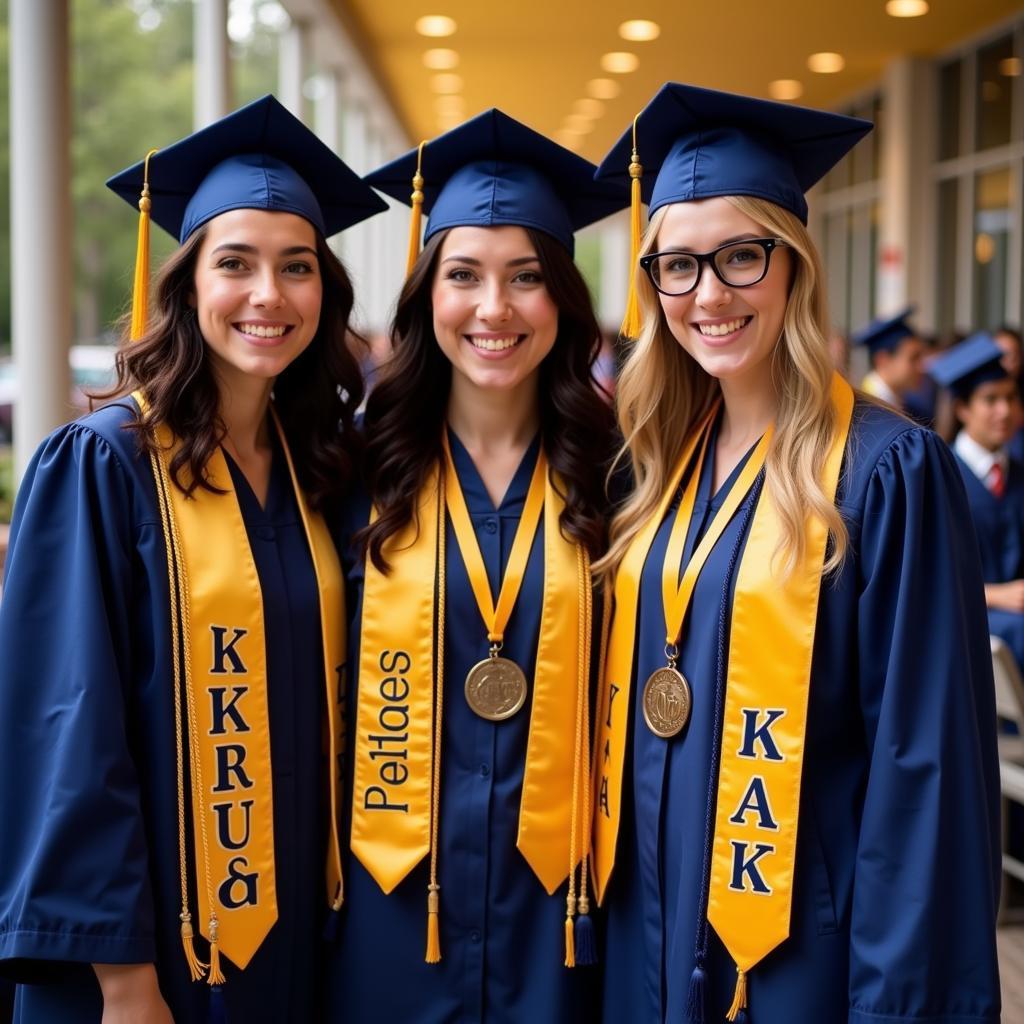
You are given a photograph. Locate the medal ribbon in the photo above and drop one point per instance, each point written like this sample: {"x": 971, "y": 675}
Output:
{"x": 218, "y": 628}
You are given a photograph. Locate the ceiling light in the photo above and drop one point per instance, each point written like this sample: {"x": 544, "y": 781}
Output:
{"x": 435, "y": 25}
{"x": 639, "y": 31}
{"x": 447, "y": 83}
{"x": 826, "y": 63}
{"x": 620, "y": 62}
{"x": 906, "y": 8}
{"x": 441, "y": 60}
{"x": 450, "y": 106}
{"x": 603, "y": 88}
{"x": 588, "y": 108}
{"x": 785, "y": 89}
{"x": 1010, "y": 66}
{"x": 577, "y": 123}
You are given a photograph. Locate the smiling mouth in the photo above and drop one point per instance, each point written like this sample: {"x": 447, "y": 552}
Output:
{"x": 720, "y": 330}
{"x": 263, "y": 330}
{"x": 495, "y": 344}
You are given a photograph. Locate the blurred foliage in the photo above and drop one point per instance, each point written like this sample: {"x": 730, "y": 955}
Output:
{"x": 6, "y": 485}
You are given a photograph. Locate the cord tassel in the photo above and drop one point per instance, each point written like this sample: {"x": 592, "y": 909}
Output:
{"x": 218, "y": 1011}
{"x": 695, "y": 997}
{"x": 433, "y": 925}
{"x": 570, "y": 938}
{"x": 630, "y": 329}
{"x": 216, "y": 975}
{"x": 739, "y": 999}
{"x": 585, "y": 939}
{"x": 140, "y": 284}
{"x": 196, "y": 968}
{"x": 417, "y": 212}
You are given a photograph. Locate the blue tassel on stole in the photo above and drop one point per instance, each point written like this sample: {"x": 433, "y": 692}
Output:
{"x": 585, "y": 941}
{"x": 743, "y": 1017}
{"x": 695, "y": 997}
{"x": 218, "y": 1012}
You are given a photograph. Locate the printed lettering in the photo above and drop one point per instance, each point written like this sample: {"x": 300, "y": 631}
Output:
{"x": 756, "y": 799}
{"x": 613, "y": 692}
{"x": 228, "y": 710}
{"x": 376, "y": 799}
{"x": 223, "y": 815}
{"x": 226, "y": 651}
{"x": 230, "y": 760}
{"x": 603, "y": 798}
{"x": 755, "y": 733}
{"x": 397, "y": 715}
{"x": 236, "y": 877}
{"x": 744, "y": 867}
{"x": 394, "y": 661}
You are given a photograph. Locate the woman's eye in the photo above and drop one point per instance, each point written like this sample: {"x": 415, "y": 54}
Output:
{"x": 298, "y": 268}
{"x": 743, "y": 255}
{"x": 681, "y": 265}
{"x": 460, "y": 275}
{"x": 528, "y": 277}
{"x": 231, "y": 263}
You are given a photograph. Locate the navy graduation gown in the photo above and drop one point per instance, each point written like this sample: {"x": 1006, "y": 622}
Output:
{"x": 897, "y": 864}
{"x": 89, "y": 845}
{"x": 999, "y": 524}
{"x": 502, "y": 939}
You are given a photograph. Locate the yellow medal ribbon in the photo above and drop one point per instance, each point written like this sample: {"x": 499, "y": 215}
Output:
{"x": 391, "y": 813}
{"x": 219, "y": 650}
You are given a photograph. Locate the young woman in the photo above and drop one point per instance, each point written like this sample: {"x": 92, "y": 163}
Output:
{"x": 173, "y": 614}
{"x": 797, "y": 784}
{"x": 486, "y": 449}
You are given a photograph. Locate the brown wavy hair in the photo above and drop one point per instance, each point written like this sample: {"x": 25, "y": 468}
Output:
{"x": 405, "y": 412}
{"x": 315, "y": 396}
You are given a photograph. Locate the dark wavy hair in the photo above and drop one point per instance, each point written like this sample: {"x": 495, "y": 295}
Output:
{"x": 405, "y": 412}
{"x": 315, "y": 396}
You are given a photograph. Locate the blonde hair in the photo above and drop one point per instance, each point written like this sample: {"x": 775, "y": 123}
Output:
{"x": 663, "y": 393}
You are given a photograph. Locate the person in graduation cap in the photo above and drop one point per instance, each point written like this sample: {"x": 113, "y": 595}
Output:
{"x": 987, "y": 406}
{"x": 173, "y": 616}
{"x": 487, "y": 443}
{"x": 796, "y": 778}
{"x": 897, "y": 358}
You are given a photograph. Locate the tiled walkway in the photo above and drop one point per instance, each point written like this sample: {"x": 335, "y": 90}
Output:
{"x": 1011, "y": 973}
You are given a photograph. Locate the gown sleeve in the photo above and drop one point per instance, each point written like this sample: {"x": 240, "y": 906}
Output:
{"x": 74, "y": 881}
{"x": 927, "y": 874}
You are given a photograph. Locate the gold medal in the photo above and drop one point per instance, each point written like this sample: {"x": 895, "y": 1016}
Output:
{"x": 667, "y": 702}
{"x": 495, "y": 688}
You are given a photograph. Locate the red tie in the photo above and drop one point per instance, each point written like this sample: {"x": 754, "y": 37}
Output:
{"x": 997, "y": 480}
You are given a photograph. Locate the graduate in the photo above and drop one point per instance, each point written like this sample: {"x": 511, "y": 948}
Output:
{"x": 487, "y": 444}
{"x": 987, "y": 406}
{"x": 897, "y": 358}
{"x": 796, "y": 792}
{"x": 173, "y": 615}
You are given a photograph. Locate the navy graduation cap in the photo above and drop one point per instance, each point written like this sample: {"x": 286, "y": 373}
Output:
{"x": 885, "y": 333}
{"x": 493, "y": 170}
{"x": 975, "y": 361}
{"x": 259, "y": 157}
{"x": 694, "y": 143}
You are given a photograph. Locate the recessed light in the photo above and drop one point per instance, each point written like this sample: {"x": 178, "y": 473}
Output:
{"x": 588, "y": 107}
{"x": 906, "y": 8}
{"x": 1010, "y": 67}
{"x": 785, "y": 89}
{"x": 603, "y": 88}
{"x": 446, "y": 83}
{"x": 826, "y": 63}
{"x": 450, "y": 106}
{"x": 620, "y": 62}
{"x": 441, "y": 60}
{"x": 578, "y": 123}
{"x": 639, "y": 31}
{"x": 435, "y": 25}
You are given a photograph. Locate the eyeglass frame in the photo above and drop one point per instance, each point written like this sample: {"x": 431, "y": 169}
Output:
{"x": 767, "y": 244}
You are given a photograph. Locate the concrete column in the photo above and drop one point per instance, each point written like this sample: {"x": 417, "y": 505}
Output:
{"x": 373, "y": 283}
{"x": 41, "y": 220}
{"x": 293, "y": 60}
{"x": 354, "y": 241}
{"x": 212, "y": 74}
{"x": 905, "y": 271}
{"x": 327, "y": 109}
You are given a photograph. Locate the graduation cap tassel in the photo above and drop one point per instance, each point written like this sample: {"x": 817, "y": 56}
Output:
{"x": 739, "y": 999}
{"x": 417, "y": 212}
{"x": 570, "y": 934}
{"x": 140, "y": 285}
{"x": 196, "y": 968}
{"x": 631, "y": 322}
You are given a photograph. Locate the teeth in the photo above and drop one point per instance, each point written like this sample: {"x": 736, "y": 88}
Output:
{"x": 717, "y": 330}
{"x": 494, "y": 344}
{"x": 259, "y": 331}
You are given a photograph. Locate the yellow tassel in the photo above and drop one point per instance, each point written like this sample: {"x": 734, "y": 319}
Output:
{"x": 739, "y": 999}
{"x": 196, "y": 968}
{"x": 630, "y": 329}
{"x": 216, "y": 975}
{"x": 570, "y": 938}
{"x": 140, "y": 286}
{"x": 433, "y": 928}
{"x": 417, "y": 213}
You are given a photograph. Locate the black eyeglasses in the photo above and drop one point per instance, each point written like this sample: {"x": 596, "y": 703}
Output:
{"x": 737, "y": 265}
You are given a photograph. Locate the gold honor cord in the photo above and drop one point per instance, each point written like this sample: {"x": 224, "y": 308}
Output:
{"x": 495, "y": 687}
{"x": 666, "y": 697}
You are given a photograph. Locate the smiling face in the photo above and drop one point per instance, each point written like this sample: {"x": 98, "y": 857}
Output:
{"x": 991, "y": 414}
{"x": 731, "y": 332}
{"x": 258, "y": 292}
{"x": 493, "y": 316}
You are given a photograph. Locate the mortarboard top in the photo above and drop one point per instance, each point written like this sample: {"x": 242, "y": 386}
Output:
{"x": 974, "y": 361}
{"x": 696, "y": 143}
{"x": 885, "y": 333}
{"x": 260, "y": 157}
{"x": 493, "y": 170}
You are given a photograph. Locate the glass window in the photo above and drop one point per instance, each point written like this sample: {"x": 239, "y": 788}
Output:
{"x": 993, "y": 218}
{"x": 948, "y": 248}
{"x": 994, "y": 93}
{"x": 949, "y": 110}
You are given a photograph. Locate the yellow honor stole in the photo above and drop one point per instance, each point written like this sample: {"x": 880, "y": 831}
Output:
{"x": 771, "y": 643}
{"x": 396, "y": 790}
{"x": 220, "y": 699}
